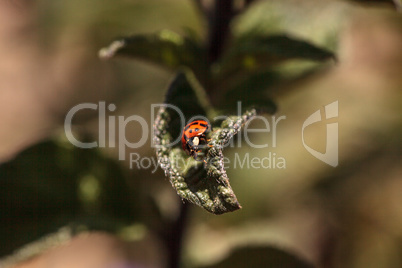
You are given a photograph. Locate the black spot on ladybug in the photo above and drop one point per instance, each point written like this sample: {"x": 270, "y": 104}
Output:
{"x": 191, "y": 131}
{"x": 197, "y": 129}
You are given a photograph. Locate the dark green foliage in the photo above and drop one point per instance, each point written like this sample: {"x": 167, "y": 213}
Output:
{"x": 243, "y": 72}
{"x": 182, "y": 95}
{"x": 165, "y": 48}
{"x": 52, "y": 185}
{"x": 251, "y": 53}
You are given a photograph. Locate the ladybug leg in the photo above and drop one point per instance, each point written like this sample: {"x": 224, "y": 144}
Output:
{"x": 208, "y": 140}
{"x": 194, "y": 154}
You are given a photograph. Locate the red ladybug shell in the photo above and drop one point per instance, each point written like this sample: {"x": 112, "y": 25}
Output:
{"x": 197, "y": 128}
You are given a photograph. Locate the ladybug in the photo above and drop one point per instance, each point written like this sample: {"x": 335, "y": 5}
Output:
{"x": 194, "y": 137}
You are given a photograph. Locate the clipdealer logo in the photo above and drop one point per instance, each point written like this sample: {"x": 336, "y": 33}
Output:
{"x": 112, "y": 133}
{"x": 112, "y": 128}
{"x": 330, "y": 156}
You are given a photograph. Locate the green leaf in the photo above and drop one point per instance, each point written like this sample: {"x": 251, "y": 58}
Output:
{"x": 251, "y": 53}
{"x": 251, "y": 91}
{"x": 165, "y": 48}
{"x": 202, "y": 183}
{"x": 217, "y": 181}
{"x": 189, "y": 97}
{"x": 315, "y": 21}
{"x": 256, "y": 65}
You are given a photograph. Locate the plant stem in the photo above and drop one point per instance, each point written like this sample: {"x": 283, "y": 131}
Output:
{"x": 220, "y": 19}
{"x": 174, "y": 238}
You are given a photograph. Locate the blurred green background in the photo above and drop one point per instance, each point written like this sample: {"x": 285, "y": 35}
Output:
{"x": 61, "y": 206}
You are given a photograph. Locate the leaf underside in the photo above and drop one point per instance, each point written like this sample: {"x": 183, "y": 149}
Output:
{"x": 165, "y": 48}
{"x": 204, "y": 184}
